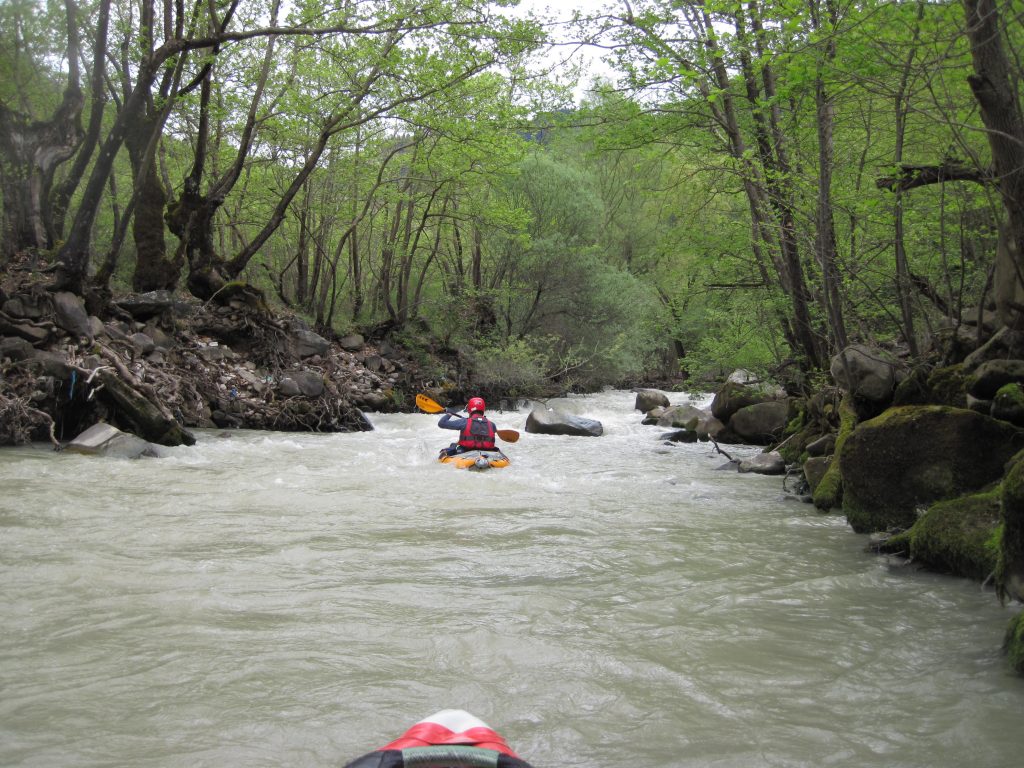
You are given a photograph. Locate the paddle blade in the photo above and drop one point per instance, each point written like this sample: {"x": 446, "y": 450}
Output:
{"x": 427, "y": 405}
{"x": 508, "y": 435}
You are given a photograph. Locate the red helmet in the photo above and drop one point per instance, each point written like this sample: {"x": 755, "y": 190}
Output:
{"x": 476, "y": 404}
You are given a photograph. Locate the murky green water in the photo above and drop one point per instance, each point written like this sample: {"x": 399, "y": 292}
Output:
{"x": 271, "y": 599}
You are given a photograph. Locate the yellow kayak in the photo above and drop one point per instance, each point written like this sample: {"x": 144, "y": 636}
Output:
{"x": 477, "y": 460}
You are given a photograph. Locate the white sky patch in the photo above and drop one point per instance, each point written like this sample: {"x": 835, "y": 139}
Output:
{"x": 570, "y": 59}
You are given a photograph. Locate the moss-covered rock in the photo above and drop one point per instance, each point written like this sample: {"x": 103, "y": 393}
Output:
{"x": 942, "y": 386}
{"x": 814, "y": 418}
{"x": 1013, "y": 643}
{"x": 959, "y": 536}
{"x": 1008, "y": 404}
{"x": 1010, "y": 570}
{"x": 912, "y": 456}
{"x": 829, "y": 491}
{"x": 948, "y": 386}
{"x": 814, "y": 470}
{"x": 914, "y": 389}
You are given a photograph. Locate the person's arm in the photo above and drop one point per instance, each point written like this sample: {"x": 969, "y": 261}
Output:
{"x": 448, "y": 421}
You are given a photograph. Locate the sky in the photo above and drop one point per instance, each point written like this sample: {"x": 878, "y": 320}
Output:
{"x": 588, "y": 57}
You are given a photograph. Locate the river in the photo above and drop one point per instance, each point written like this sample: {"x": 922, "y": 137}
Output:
{"x": 272, "y": 599}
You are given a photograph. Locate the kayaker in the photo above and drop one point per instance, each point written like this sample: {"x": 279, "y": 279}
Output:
{"x": 476, "y": 433}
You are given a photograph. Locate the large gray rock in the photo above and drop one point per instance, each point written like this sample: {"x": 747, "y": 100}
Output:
{"x": 142, "y": 343}
{"x": 352, "y": 342}
{"x": 992, "y": 375}
{"x": 15, "y": 348}
{"x": 823, "y": 446}
{"x": 143, "y": 306}
{"x": 305, "y": 343}
{"x": 1008, "y": 404}
{"x": 761, "y": 423}
{"x": 681, "y": 416}
{"x": 23, "y": 306}
{"x": 302, "y": 383}
{"x": 814, "y": 469}
{"x": 69, "y": 311}
{"x": 107, "y": 441}
{"x": 764, "y": 464}
{"x": 868, "y": 373}
{"x": 648, "y": 399}
{"x": 551, "y": 421}
{"x": 1005, "y": 344}
{"x": 740, "y": 391}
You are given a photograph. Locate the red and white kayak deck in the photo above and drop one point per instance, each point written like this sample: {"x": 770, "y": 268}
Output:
{"x": 452, "y": 726}
{"x": 451, "y": 738}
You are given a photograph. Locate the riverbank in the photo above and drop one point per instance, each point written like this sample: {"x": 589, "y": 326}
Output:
{"x": 158, "y": 365}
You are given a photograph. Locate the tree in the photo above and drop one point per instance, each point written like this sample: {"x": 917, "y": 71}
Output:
{"x": 31, "y": 150}
{"x": 994, "y": 86}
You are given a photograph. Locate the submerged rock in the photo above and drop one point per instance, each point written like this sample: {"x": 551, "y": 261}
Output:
{"x": 107, "y": 441}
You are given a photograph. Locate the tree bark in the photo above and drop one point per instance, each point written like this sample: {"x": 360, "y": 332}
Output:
{"x": 997, "y": 96}
{"x": 31, "y": 151}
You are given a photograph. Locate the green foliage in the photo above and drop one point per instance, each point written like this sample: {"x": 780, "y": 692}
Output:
{"x": 515, "y": 368}
{"x": 735, "y": 333}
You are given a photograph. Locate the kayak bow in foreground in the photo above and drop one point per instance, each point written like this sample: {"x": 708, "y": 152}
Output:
{"x": 450, "y": 738}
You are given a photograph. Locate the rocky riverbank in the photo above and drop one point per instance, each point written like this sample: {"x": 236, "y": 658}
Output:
{"x": 157, "y": 366}
{"x": 928, "y": 461}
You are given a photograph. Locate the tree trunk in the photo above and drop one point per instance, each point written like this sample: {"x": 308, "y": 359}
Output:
{"x": 1000, "y": 105}
{"x": 825, "y": 234}
{"x": 153, "y": 270}
{"x": 62, "y": 195}
{"x": 30, "y": 153}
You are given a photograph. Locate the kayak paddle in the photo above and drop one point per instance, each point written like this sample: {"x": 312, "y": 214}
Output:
{"x": 427, "y": 405}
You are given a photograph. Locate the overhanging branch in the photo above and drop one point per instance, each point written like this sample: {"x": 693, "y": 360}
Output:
{"x": 913, "y": 176}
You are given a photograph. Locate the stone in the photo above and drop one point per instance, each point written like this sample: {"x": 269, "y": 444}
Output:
{"x": 760, "y": 423}
{"x": 305, "y": 343}
{"x": 909, "y": 457}
{"x": 143, "y": 306}
{"x": 142, "y": 343}
{"x": 104, "y": 440}
{"x": 823, "y": 446}
{"x": 815, "y": 469}
{"x": 764, "y": 464}
{"x": 682, "y": 416}
{"x": 352, "y": 342}
{"x": 551, "y": 421}
{"x": 989, "y": 377}
{"x": 868, "y": 373}
{"x": 302, "y": 383}
{"x": 69, "y": 311}
{"x": 648, "y": 399}
{"x": 15, "y": 348}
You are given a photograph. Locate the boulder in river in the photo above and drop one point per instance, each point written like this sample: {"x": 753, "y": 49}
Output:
{"x": 104, "y": 440}
{"x": 954, "y": 536}
{"x": 764, "y": 464}
{"x": 552, "y": 421}
{"x": 760, "y": 423}
{"x": 649, "y": 399}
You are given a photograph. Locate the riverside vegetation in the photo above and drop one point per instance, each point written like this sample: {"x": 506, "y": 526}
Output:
{"x": 272, "y": 216}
